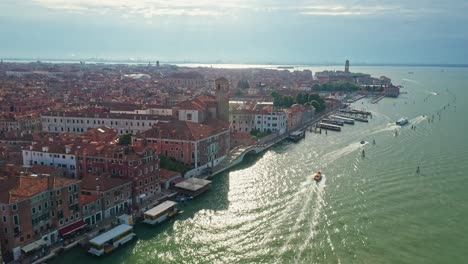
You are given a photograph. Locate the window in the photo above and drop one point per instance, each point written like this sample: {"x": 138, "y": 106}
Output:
{"x": 15, "y": 207}
{"x": 16, "y": 220}
{"x": 189, "y": 116}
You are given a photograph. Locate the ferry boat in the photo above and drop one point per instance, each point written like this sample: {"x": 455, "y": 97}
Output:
{"x": 402, "y": 121}
{"x": 318, "y": 176}
{"x": 333, "y": 121}
{"x": 111, "y": 240}
{"x": 329, "y": 126}
{"x": 160, "y": 213}
{"x": 344, "y": 119}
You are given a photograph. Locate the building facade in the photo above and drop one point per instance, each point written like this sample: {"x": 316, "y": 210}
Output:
{"x": 137, "y": 163}
{"x": 37, "y": 209}
{"x": 81, "y": 121}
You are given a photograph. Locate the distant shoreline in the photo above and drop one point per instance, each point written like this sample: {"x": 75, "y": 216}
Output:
{"x": 244, "y": 65}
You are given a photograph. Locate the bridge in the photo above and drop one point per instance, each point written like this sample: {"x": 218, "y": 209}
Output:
{"x": 236, "y": 156}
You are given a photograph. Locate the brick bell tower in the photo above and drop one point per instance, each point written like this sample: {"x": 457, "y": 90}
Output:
{"x": 222, "y": 98}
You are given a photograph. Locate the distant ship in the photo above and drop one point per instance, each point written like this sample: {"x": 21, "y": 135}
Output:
{"x": 285, "y": 67}
{"x": 402, "y": 121}
{"x": 410, "y": 72}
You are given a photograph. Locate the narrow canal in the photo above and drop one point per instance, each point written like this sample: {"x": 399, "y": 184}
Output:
{"x": 375, "y": 209}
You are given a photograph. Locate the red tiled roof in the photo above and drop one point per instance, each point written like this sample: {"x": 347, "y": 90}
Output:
{"x": 185, "y": 130}
{"x": 90, "y": 182}
{"x": 86, "y": 199}
{"x": 167, "y": 174}
{"x": 21, "y": 187}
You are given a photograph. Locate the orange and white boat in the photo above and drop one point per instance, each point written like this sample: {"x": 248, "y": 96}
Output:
{"x": 318, "y": 176}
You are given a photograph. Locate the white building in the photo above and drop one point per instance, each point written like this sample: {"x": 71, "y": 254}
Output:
{"x": 80, "y": 121}
{"x": 247, "y": 120}
{"x": 53, "y": 154}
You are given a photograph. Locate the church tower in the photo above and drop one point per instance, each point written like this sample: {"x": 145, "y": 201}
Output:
{"x": 346, "y": 67}
{"x": 222, "y": 98}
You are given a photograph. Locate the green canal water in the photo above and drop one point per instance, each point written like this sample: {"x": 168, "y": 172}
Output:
{"x": 375, "y": 209}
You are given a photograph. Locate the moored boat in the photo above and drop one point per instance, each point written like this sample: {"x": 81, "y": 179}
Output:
{"x": 160, "y": 213}
{"x": 111, "y": 240}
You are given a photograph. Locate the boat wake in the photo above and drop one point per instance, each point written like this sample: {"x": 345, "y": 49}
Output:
{"x": 409, "y": 80}
{"x": 430, "y": 92}
{"x": 334, "y": 155}
{"x": 390, "y": 127}
{"x": 417, "y": 120}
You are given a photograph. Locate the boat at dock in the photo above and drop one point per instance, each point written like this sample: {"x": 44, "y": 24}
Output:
{"x": 318, "y": 176}
{"x": 296, "y": 136}
{"x": 160, "y": 212}
{"x": 402, "y": 121}
{"x": 330, "y": 127}
{"x": 345, "y": 120}
{"x": 111, "y": 240}
{"x": 357, "y": 118}
{"x": 354, "y": 111}
{"x": 333, "y": 121}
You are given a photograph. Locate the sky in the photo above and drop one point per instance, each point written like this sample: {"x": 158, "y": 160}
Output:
{"x": 237, "y": 31}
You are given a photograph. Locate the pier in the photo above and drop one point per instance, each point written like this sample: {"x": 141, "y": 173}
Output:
{"x": 355, "y": 99}
{"x": 376, "y": 100}
{"x": 330, "y": 127}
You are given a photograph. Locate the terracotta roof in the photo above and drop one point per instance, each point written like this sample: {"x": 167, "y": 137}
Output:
{"x": 21, "y": 187}
{"x": 167, "y": 174}
{"x": 105, "y": 183}
{"x": 86, "y": 199}
{"x": 185, "y": 130}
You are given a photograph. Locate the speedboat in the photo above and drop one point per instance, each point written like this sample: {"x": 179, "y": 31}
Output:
{"x": 402, "y": 121}
{"x": 318, "y": 176}
{"x": 363, "y": 142}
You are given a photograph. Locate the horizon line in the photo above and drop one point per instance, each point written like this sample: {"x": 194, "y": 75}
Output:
{"x": 220, "y": 62}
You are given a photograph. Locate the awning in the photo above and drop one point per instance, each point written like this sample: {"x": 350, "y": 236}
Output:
{"x": 72, "y": 228}
{"x": 33, "y": 246}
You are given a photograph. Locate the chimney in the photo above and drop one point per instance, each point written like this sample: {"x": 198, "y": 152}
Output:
{"x": 67, "y": 149}
{"x": 50, "y": 182}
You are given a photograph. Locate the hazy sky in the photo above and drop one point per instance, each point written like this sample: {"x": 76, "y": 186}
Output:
{"x": 255, "y": 31}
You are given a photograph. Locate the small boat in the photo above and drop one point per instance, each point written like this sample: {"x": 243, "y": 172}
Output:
{"x": 363, "y": 142}
{"x": 318, "y": 176}
{"x": 402, "y": 121}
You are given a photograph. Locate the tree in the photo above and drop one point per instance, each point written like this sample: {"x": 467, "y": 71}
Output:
{"x": 315, "y": 104}
{"x": 125, "y": 140}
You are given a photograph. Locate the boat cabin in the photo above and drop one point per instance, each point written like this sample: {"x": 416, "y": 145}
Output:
{"x": 160, "y": 212}
{"x": 111, "y": 240}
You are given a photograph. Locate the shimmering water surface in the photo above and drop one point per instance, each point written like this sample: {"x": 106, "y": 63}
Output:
{"x": 375, "y": 209}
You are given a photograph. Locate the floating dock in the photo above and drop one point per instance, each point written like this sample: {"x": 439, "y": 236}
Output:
{"x": 330, "y": 127}
{"x": 355, "y": 112}
{"x": 296, "y": 136}
{"x": 333, "y": 121}
{"x": 346, "y": 120}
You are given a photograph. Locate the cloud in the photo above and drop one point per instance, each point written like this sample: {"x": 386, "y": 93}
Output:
{"x": 147, "y": 8}
{"x": 342, "y": 10}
